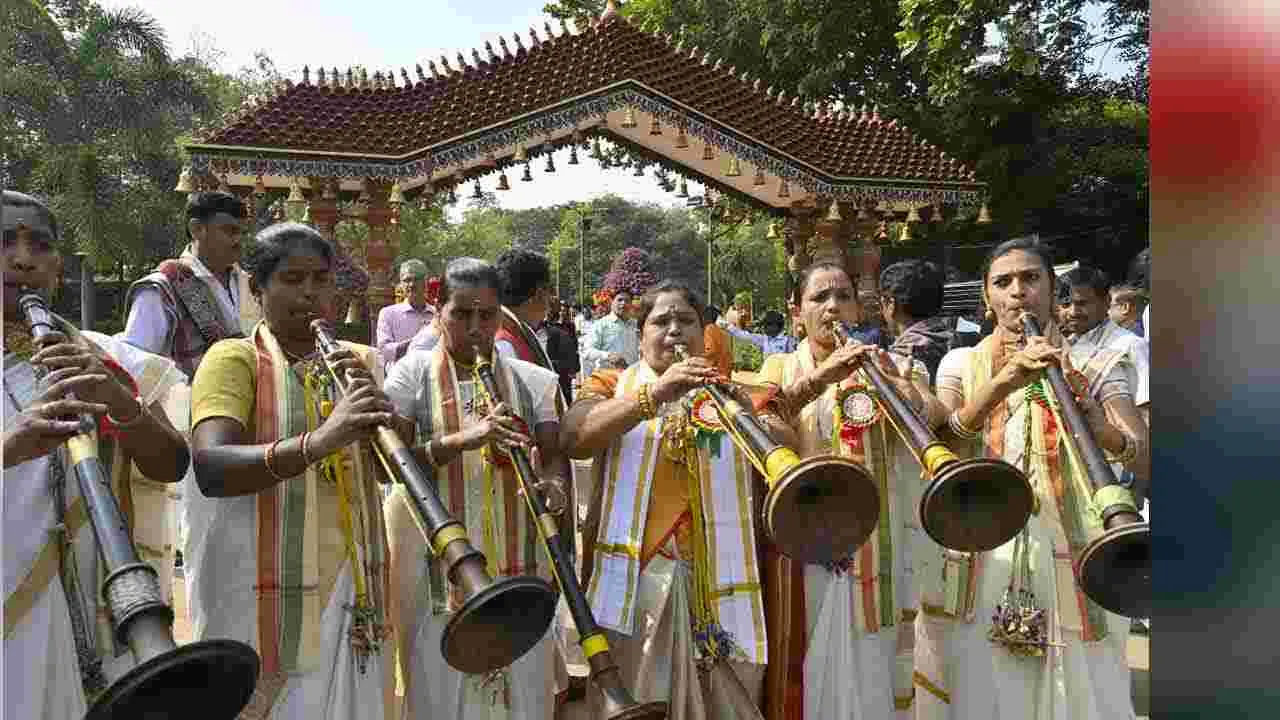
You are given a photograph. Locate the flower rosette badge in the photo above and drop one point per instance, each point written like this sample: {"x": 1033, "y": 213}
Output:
{"x": 705, "y": 418}
{"x": 856, "y": 410}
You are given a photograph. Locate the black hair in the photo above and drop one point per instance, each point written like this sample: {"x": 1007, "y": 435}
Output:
{"x": 711, "y": 314}
{"x": 276, "y": 242}
{"x": 650, "y": 298}
{"x": 15, "y": 199}
{"x": 522, "y": 272}
{"x": 1027, "y": 243}
{"x": 203, "y": 205}
{"x": 1082, "y": 277}
{"x": 468, "y": 272}
{"x": 915, "y": 286}
{"x": 803, "y": 277}
{"x": 622, "y": 291}
{"x": 773, "y": 317}
{"x": 1140, "y": 271}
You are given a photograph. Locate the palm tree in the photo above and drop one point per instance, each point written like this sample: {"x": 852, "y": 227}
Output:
{"x": 94, "y": 106}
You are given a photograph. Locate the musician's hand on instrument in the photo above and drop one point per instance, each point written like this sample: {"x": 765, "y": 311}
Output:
{"x": 549, "y": 485}
{"x": 52, "y": 419}
{"x": 841, "y": 362}
{"x": 59, "y": 353}
{"x": 346, "y": 364}
{"x": 354, "y": 417}
{"x": 497, "y": 426}
{"x": 681, "y": 377}
{"x": 1028, "y": 364}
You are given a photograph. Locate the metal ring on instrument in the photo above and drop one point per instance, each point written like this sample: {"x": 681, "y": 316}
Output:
{"x": 446, "y": 535}
{"x": 594, "y": 645}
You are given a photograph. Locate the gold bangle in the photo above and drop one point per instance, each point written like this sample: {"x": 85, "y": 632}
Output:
{"x": 957, "y": 427}
{"x": 268, "y": 459}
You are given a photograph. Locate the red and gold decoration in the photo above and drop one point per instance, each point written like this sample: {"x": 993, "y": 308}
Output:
{"x": 706, "y": 423}
{"x": 856, "y": 410}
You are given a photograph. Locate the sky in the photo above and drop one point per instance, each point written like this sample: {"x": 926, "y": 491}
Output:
{"x": 390, "y": 34}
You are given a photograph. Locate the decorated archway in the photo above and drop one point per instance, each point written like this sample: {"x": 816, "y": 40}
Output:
{"x": 834, "y": 177}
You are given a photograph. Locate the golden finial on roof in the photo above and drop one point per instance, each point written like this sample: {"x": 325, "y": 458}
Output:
{"x": 396, "y": 197}
{"x": 503, "y": 183}
{"x": 520, "y": 155}
{"x": 735, "y": 168}
{"x": 655, "y": 127}
{"x": 784, "y": 190}
{"x": 913, "y": 215}
{"x": 773, "y": 232}
{"x": 295, "y": 192}
{"x": 906, "y": 233}
{"x": 984, "y": 215}
{"x": 707, "y": 152}
{"x": 628, "y": 118}
{"x": 682, "y": 140}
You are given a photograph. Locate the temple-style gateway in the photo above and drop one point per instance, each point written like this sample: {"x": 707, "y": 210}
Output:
{"x": 350, "y": 146}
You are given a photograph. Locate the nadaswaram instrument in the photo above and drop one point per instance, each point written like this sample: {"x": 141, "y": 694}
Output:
{"x": 819, "y": 510}
{"x": 969, "y": 505}
{"x": 216, "y": 676}
{"x": 1114, "y": 569}
{"x": 618, "y": 704}
{"x": 500, "y": 620}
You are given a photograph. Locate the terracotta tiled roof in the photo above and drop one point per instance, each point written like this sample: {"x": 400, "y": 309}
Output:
{"x": 398, "y": 122}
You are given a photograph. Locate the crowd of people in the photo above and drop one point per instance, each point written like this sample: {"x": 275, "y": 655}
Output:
{"x": 297, "y": 544}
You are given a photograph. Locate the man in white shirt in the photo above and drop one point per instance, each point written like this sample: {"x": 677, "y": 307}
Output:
{"x": 190, "y": 302}
{"x": 613, "y": 340}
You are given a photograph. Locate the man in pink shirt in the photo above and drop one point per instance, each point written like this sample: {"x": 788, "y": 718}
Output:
{"x": 397, "y": 324}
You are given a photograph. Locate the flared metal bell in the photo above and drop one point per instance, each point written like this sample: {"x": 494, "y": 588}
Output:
{"x": 499, "y": 624}
{"x": 1115, "y": 570}
{"x": 211, "y": 679}
{"x": 822, "y": 509}
{"x": 617, "y": 703}
{"x": 976, "y": 505}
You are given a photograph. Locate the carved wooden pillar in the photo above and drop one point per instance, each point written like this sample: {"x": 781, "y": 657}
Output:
{"x": 323, "y": 206}
{"x": 380, "y": 250}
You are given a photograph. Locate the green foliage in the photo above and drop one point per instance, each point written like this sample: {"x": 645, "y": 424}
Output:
{"x": 1029, "y": 113}
{"x": 95, "y": 104}
{"x": 746, "y": 356}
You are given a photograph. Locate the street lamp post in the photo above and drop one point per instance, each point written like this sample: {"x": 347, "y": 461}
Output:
{"x": 584, "y": 224}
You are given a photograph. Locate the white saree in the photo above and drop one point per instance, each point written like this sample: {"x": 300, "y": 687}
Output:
{"x": 648, "y": 603}
{"x": 41, "y": 673}
{"x": 430, "y": 388}
{"x": 961, "y": 674}
{"x": 858, "y": 623}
